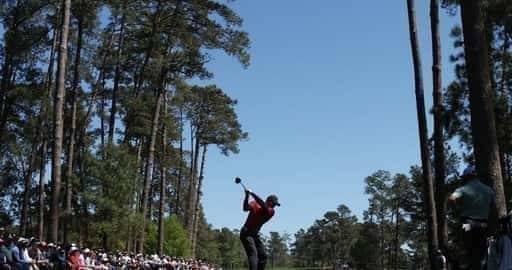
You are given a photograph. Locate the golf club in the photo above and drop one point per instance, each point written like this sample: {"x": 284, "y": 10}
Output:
{"x": 239, "y": 181}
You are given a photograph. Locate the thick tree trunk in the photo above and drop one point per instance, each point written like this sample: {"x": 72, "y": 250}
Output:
{"x": 198, "y": 202}
{"x": 71, "y": 147}
{"x": 163, "y": 186}
{"x": 439, "y": 155}
{"x": 44, "y": 138}
{"x": 59, "y": 125}
{"x": 428, "y": 186}
{"x": 481, "y": 99}
{"x": 149, "y": 168}
{"x": 117, "y": 78}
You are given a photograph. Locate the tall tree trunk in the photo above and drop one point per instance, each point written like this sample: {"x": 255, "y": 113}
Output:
{"x": 117, "y": 78}
{"x": 42, "y": 176}
{"x": 382, "y": 247}
{"x": 71, "y": 147}
{"x": 27, "y": 192}
{"x": 439, "y": 157}
{"x": 149, "y": 167}
{"x": 4, "y": 89}
{"x": 188, "y": 210}
{"x": 481, "y": 99}
{"x": 198, "y": 202}
{"x": 58, "y": 124}
{"x": 163, "y": 186}
{"x": 397, "y": 235}
{"x": 180, "y": 167}
{"x": 42, "y": 132}
{"x": 102, "y": 116}
{"x": 192, "y": 192}
{"x": 428, "y": 186}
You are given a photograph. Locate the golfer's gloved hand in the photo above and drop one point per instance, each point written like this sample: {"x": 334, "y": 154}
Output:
{"x": 248, "y": 191}
{"x": 466, "y": 227}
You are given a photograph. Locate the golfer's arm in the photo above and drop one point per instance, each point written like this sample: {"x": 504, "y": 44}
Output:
{"x": 259, "y": 201}
{"x": 246, "y": 207}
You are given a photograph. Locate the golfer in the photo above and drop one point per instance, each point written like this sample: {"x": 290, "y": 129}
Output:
{"x": 259, "y": 213}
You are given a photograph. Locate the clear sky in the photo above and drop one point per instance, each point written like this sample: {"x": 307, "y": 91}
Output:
{"x": 328, "y": 100}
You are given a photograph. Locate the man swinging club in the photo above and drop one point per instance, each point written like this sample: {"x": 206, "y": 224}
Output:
{"x": 259, "y": 213}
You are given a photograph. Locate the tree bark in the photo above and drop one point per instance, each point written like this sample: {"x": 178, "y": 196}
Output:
{"x": 27, "y": 192}
{"x": 58, "y": 124}
{"x": 102, "y": 116}
{"x": 149, "y": 167}
{"x": 428, "y": 187}
{"x": 44, "y": 128}
{"x": 180, "y": 167}
{"x": 397, "y": 234}
{"x": 198, "y": 201}
{"x": 439, "y": 155}
{"x": 192, "y": 191}
{"x": 481, "y": 98}
{"x": 72, "y": 136}
{"x": 163, "y": 186}
{"x": 42, "y": 176}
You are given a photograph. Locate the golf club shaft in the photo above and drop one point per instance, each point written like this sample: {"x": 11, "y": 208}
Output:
{"x": 245, "y": 188}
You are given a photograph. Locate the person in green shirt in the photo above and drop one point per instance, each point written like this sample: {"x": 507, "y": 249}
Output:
{"x": 475, "y": 201}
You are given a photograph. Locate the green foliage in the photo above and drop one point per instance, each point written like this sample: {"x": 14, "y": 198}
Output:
{"x": 328, "y": 241}
{"x": 108, "y": 193}
{"x": 213, "y": 115}
{"x": 278, "y": 250}
{"x": 176, "y": 241}
{"x": 364, "y": 253}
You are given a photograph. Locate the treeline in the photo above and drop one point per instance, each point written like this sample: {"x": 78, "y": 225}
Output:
{"x": 394, "y": 219}
{"x": 103, "y": 138}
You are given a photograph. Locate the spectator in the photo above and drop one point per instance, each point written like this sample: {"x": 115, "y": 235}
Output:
{"x": 17, "y": 259}
{"x": 57, "y": 257}
{"x": 27, "y": 260}
{"x": 74, "y": 259}
{"x": 4, "y": 263}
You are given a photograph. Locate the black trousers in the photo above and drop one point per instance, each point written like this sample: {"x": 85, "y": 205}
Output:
{"x": 475, "y": 243}
{"x": 254, "y": 249}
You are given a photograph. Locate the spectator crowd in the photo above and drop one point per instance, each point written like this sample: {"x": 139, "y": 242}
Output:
{"x": 33, "y": 254}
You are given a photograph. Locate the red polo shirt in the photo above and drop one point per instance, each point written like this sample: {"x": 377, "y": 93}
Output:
{"x": 258, "y": 216}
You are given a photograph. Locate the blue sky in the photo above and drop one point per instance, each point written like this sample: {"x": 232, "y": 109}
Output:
{"x": 328, "y": 100}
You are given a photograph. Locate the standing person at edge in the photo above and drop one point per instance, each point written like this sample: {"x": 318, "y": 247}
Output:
{"x": 476, "y": 202}
{"x": 259, "y": 213}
